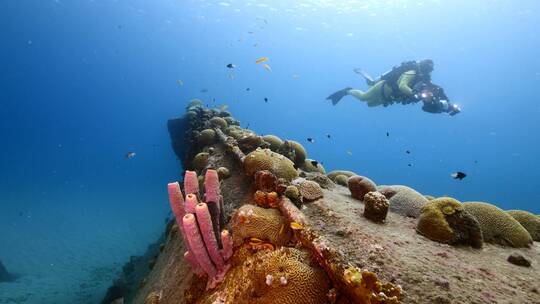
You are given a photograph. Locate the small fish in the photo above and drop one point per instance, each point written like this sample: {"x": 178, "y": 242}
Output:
{"x": 248, "y": 89}
{"x": 180, "y": 82}
{"x": 204, "y": 90}
{"x": 223, "y": 107}
{"x": 458, "y": 175}
{"x": 387, "y": 134}
{"x": 295, "y": 76}
{"x": 255, "y": 240}
{"x": 250, "y": 32}
{"x": 349, "y": 152}
{"x": 410, "y": 165}
{"x": 311, "y": 140}
{"x": 296, "y": 226}
{"x": 255, "y": 44}
{"x": 315, "y": 163}
{"x": 231, "y": 66}
{"x": 408, "y": 151}
{"x": 266, "y": 100}
{"x": 260, "y": 60}
{"x": 130, "y": 155}
{"x": 267, "y": 67}
{"x": 328, "y": 135}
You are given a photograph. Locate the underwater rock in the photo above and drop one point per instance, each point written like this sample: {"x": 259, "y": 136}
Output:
{"x": 310, "y": 191}
{"x": 265, "y": 159}
{"x": 264, "y": 224}
{"x": 529, "y": 221}
{"x": 275, "y": 142}
{"x": 518, "y": 259}
{"x": 404, "y": 200}
{"x": 360, "y": 185}
{"x": 177, "y": 132}
{"x": 376, "y": 206}
{"x": 498, "y": 226}
{"x": 444, "y": 220}
{"x": 5, "y": 276}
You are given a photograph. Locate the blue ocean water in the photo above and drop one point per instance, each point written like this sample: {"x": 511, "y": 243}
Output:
{"x": 84, "y": 82}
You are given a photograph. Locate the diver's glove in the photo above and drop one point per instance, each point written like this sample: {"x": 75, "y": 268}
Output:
{"x": 453, "y": 109}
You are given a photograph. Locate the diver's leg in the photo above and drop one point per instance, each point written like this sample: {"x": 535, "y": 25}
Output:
{"x": 373, "y": 96}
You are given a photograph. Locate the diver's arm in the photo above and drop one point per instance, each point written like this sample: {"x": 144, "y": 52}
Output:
{"x": 405, "y": 81}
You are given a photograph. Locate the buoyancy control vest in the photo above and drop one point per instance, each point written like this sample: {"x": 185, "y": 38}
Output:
{"x": 391, "y": 77}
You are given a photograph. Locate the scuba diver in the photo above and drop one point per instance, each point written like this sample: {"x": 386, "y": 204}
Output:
{"x": 407, "y": 83}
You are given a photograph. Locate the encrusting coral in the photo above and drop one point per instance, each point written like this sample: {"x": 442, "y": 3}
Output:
{"x": 404, "y": 200}
{"x": 498, "y": 226}
{"x": 444, "y": 220}
{"x": 360, "y": 185}
{"x": 265, "y": 159}
{"x": 341, "y": 180}
{"x": 292, "y": 193}
{"x": 264, "y": 224}
{"x": 275, "y": 142}
{"x": 375, "y": 206}
{"x": 310, "y": 191}
{"x": 529, "y": 221}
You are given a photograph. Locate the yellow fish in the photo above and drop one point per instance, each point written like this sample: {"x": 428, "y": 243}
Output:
{"x": 281, "y": 229}
{"x": 296, "y": 226}
{"x": 255, "y": 240}
{"x": 262, "y": 59}
{"x": 180, "y": 82}
{"x": 267, "y": 67}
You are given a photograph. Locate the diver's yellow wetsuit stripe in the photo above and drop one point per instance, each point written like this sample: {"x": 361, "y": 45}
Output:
{"x": 374, "y": 95}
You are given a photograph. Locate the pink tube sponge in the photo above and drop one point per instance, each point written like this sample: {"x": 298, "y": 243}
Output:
{"x": 191, "y": 202}
{"x": 191, "y": 183}
{"x": 207, "y": 231}
{"x": 176, "y": 199}
{"x": 211, "y": 186}
{"x": 197, "y": 245}
{"x": 227, "y": 242}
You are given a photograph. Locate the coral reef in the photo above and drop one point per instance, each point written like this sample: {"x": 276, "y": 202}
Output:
{"x": 333, "y": 174}
{"x": 265, "y": 159}
{"x": 223, "y": 173}
{"x": 275, "y": 142}
{"x": 341, "y": 180}
{"x": 292, "y": 193}
{"x": 310, "y": 191}
{"x": 265, "y": 181}
{"x": 294, "y": 151}
{"x": 529, "y": 221}
{"x": 376, "y": 206}
{"x": 311, "y": 165}
{"x": 360, "y": 185}
{"x": 264, "y": 224}
{"x": 404, "y": 200}
{"x": 498, "y": 226}
{"x": 444, "y": 220}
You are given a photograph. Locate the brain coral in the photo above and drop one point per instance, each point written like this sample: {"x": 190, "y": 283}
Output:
{"x": 444, "y": 220}
{"x": 341, "y": 180}
{"x": 376, "y": 206}
{"x": 498, "y": 226}
{"x": 311, "y": 165}
{"x": 360, "y": 185}
{"x": 275, "y": 142}
{"x": 286, "y": 276}
{"x": 206, "y": 137}
{"x": 195, "y": 103}
{"x": 529, "y": 221}
{"x": 404, "y": 200}
{"x": 310, "y": 191}
{"x": 201, "y": 160}
{"x": 264, "y": 159}
{"x": 219, "y": 122}
{"x": 294, "y": 151}
{"x": 255, "y": 222}
{"x": 333, "y": 174}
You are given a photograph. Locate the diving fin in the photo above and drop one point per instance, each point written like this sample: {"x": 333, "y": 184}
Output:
{"x": 369, "y": 80}
{"x": 336, "y": 97}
